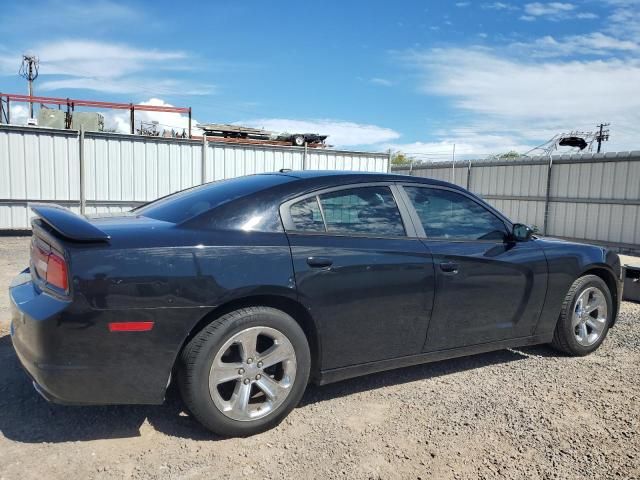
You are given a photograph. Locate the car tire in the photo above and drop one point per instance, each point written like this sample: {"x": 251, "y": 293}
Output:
{"x": 298, "y": 141}
{"x": 258, "y": 397}
{"x": 578, "y": 331}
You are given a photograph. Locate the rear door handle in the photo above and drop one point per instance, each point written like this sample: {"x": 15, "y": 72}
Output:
{"x": 319, "y": 262}
{"x": 449, "y": 267}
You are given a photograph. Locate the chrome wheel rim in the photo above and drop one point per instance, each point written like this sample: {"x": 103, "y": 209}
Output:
{"x": 589, "y": 316}
{"x": 253, "y": 373}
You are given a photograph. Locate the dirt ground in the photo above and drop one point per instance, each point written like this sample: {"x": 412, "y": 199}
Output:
{"x": 527, "y": 413}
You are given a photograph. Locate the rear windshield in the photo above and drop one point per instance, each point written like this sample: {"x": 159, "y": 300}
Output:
{"x": 182, "y": 206}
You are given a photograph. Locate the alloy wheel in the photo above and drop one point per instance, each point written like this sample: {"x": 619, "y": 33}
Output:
{"x": 589, "y": 316}
{"x": 253, "y": 373}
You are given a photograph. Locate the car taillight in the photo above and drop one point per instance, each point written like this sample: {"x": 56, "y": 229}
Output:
{"x": 57, "y": 272}
{"x": 50, "y": 266}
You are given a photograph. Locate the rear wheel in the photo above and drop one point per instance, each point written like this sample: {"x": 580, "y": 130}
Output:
{"x": 244, "y": 372}
{"x": 298, "y": 140}
{"x": 585, "y": 317}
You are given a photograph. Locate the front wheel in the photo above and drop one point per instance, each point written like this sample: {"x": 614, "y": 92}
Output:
{"x": 585, "y": 317}
{"x": 244, "y": 372}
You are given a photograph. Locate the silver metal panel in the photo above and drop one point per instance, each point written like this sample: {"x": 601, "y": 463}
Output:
{"x": 228, "y": 161}
{"x": 457, "y": 175}
{"x": 138, "y": 169}
{"x": 37, "y": 164}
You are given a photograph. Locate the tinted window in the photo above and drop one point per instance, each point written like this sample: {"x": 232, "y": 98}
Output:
{"x": 367, "y": 210}
{"x": 186, "y": 204}
{"x": 450, "y": 215}
{"x": 306, "y": 216}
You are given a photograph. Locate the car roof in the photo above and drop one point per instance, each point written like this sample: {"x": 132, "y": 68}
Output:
{"x": 346, "y": 176}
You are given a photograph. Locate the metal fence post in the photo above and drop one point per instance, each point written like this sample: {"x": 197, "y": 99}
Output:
{"x": 83, "y": 193}
{"x": 203, "y": 160}
{"x": 389, "y": 161}
{"x": 546, "y": 198}
{"x": 469, "y": 175}
{"x": 304, "y": 157}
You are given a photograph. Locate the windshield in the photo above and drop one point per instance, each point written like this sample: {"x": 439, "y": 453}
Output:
{"x": 186, "y": 204}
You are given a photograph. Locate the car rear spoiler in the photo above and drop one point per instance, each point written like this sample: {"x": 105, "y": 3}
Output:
{"x": 68, "y": 224}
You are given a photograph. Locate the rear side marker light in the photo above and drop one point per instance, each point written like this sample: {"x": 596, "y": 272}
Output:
{"x": 130, "y": 326}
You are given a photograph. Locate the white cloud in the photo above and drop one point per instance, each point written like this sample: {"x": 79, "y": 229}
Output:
{"x": 19, "y": 114}
{"x": 538, "y": 9}
{"x": 519, "y": 95}
{"x": 534, "y": 101}
{"x": 73, "y": 14}
{"x": 467, "y": 145}
{"x": 595, "y": 43}
{"x": 462, "y": 4}
{"x": 499, "y": 6}
{"x": 624, "y": 20}
{"x": 554, "y": 11}
{"x": 106, "y": 67}
{"x": 341, "y": 133}
{"x": 87, "y": 58}
{"x": 119, "y": 119}
{"x": 586, "y": 16}
{"x": 383, "y": 82}
{"x": 128, "y": 86}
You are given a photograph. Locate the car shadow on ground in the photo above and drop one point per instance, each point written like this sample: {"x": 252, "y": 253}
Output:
{"x": 26, "y": 417}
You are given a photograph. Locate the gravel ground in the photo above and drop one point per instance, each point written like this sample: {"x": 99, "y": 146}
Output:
{"x": 527, "y": 413}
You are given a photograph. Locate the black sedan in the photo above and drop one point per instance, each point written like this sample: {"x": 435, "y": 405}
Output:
{"x": 245, "y": 290}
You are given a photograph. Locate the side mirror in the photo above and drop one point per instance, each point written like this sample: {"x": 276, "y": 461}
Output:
{"x": 522, "y": 232}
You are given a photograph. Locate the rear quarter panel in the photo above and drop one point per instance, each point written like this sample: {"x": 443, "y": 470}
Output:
{"x": 137, "y": 279}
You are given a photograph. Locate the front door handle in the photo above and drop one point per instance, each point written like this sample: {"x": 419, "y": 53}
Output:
{"x": 319, "y": 262}
{"x": 449, "y": 267}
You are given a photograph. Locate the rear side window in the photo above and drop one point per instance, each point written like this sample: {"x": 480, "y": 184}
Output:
{"x": 448, "y": 215}
{"x": 359, "y": 211}
{"x": 306, "y": 216}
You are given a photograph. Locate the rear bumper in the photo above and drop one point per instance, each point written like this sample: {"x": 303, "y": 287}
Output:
{"x": 31, "y": 313}
{"x": 72, "y": 358}
{"x": 35, "y": 317}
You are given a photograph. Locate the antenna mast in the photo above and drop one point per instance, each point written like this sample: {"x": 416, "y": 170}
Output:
{"x": 29, "y": 70}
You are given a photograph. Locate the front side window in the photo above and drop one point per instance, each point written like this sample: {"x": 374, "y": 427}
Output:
{"x": 449, "y": 215}
{"x": 359, "y": 211}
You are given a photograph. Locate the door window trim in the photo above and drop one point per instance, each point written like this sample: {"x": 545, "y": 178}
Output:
{"x": 418, "y": 223}
{"x": 405, "y": 214}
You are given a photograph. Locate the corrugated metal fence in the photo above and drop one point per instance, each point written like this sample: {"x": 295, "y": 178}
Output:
{"x": 593, "y": 197}
{"x": 106, "y": 172}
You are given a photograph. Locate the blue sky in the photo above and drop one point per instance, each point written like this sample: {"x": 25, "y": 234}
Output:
{"x": 415, "y": 76}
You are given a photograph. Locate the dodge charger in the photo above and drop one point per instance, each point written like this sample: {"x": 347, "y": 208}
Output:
{"x": 245, "y": 290}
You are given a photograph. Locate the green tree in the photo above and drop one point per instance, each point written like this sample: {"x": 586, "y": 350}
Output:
{"x": 399, "y": 159}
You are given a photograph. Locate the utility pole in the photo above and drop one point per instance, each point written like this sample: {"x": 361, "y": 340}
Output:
{"x": 603, "y": 135}
{"x": 29, "y": 70}
{"x": 453, "y": 164}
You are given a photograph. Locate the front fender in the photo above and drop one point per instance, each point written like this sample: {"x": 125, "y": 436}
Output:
{"x": 567, "y": 261}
